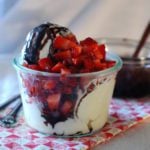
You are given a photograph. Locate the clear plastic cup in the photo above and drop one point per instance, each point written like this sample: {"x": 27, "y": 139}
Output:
{"x": 72, "y": 105}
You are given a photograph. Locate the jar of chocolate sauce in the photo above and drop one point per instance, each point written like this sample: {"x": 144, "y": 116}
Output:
{"x": 133, "y": 80}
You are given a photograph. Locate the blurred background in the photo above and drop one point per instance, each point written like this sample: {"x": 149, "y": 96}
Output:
{"x": 95, "y": 18}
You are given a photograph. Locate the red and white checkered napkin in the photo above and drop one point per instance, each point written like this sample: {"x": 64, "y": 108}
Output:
{"x": 123, "y": 115}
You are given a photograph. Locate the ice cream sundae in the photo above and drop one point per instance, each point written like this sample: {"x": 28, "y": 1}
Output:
{"x": 66, "y": 84}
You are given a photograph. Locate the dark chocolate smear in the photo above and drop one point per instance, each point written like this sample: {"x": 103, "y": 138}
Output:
{"x": 90, "y": 89}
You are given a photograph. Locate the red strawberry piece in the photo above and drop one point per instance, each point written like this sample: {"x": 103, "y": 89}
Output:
{"x": 67, "y": 90}
{"x": 30, "y": 87}
{"x": 84, "y": 70}
{"x": 53, "y": 101}
{"x": 98, "y": 65}
{"x": 67, "y": 62}
{"x": 72, "y": 82}
{"x": 88, "y": 41}
{"x": 77, "y": 61}
{"x": 73, "y": 69}
{"x": 33, "y": 91}
{"x": 90, "y": 47}
{"x": 25, "y": 64}
{"x": 63, "y": 43}
{"x": 110, "y": 63}
{"x": 26, "y": 82}
{"x": 103, "y": 66}
{"x": 102, "y": 50}
{"x": 63, "y": 55}
{"x": 34, "y": 67}
{"x": 67, "y": 107}
{"x": 71, "y": 37}
{"x": 57, "y": 68}
{"x": 88, "y": 64}
{"x": 88, "y": 50}
{"x": 45, "y": 64}
{"x": 49, "y": 85}
{"x": 98, "y": 53}
{"x": 65, "y": 71}
{"x": 76, "y": 51}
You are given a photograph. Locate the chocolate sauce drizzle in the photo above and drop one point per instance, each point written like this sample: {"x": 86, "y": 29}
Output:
{"x": 90, "y": 89}
{"x": 39, "y": 37}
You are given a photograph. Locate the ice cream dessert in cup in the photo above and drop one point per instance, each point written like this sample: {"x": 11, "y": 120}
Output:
{"x": 66, "y": 85}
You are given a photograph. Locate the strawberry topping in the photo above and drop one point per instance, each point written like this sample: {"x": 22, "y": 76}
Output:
{"x": 74, "y": 57}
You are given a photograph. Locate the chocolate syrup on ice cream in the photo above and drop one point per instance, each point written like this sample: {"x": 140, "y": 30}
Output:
{"x": 38, "y": 38}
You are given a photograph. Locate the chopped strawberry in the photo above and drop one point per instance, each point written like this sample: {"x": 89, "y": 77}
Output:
{"x": 67, "y": 90}
{"x": 103, "y": 66}
{"x": 45, "y": 64}
{"x": 73, "y": 57}
{"x": 89, "y": 49}
{"x": 88, "y": 64}
{"x": 53, "y": 101}
{"x": 67, "y": 107}
{"x": 73, "y": 69}
{"x": 77, "y": 61}
{"x": 67, "y": 62}
{"x": 63, "y": 55}
{"x": 65, "y": 71}
{"x": 110, "y": 63}
{"x": 25, "y": 64}
{"x": 57, "y": 68}
{"x": 88, "y": 42}
{"x": 71, "y": 37}
{"x": 102, "y": 50}
{"x": 76, "y": 51}
{"x": 49, "y": 85}
{"x": 98, "y": 65}
{"x": 84, "y": 70}
{"x": 33, "y": 91}
{"x": 63, "y": 43}
{"x": 72, "y": 82}
{"x": 97, "y": 53}
{"x": 34, "y": 67}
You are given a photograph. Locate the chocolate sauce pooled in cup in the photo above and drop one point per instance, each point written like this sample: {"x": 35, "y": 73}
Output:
{"x": 39, "y": 41}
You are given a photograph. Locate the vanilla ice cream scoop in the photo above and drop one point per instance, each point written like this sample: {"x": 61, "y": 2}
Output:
{"x": 39, "y": 42}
